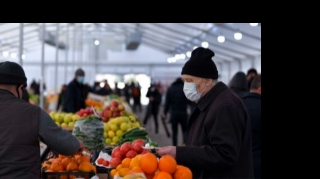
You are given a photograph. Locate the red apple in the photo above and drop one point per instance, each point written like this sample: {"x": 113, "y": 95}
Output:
{"x": 107, "y": 108}
{"x": 107, "y": 113}
{"x": 113, "y": 109}
{"x": 116, "y": 114}
{"x": 114, "y": 103}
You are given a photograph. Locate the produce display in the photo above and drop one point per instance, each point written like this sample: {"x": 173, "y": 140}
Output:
{"x": 64, "y": 119}
{"x": 114, "y": 109}
{"x": 111, "y": 129}
{"x": 114, "y": 129}
{"x": 68, "y": 167}
{"x": 133, "y": 161}
{"x": 90, "y": 131}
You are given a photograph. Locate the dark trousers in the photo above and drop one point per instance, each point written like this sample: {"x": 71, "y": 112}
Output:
{"x": 177, "y": 118}
{"x": 136, "y": 104}
{"x": 153, "y": 110}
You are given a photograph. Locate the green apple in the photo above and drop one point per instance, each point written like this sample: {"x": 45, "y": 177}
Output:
{"x": 75, "y": 117}
{"x": 64, "y": 124}
{"x": 67, "y": 118}
{"x": 115, "y": 139}
{"x": 108, "y": 141}
{"x": 71, "y": 124}
{"x": 119, "y": 133}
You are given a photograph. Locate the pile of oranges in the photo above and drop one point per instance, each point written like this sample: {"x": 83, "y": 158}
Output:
{"x": 68, "y": 164}
{"x": 90, "y": 102}
{"x": 152, "y": 168}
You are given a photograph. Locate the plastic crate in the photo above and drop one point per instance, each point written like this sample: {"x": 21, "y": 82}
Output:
{"x": 66, "y": 175}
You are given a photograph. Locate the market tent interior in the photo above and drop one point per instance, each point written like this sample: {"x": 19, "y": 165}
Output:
{"x": 53, "y": 51}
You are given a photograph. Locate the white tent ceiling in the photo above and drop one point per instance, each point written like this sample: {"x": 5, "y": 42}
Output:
{"x": 171, "y": 38}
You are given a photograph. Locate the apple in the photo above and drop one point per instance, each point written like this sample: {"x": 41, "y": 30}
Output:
{"x": 116, "y": 114}
{"x": 104, "y": 119}
{"x": 113, "y": 109}
{"x": 107, "y": 108}
{"x": 114, "y": 103}
{"x": 107, "y": 113}
{"x": 120, "y": 107}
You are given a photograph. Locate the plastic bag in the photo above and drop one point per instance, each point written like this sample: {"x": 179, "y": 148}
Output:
{"x": 90, "y": 131}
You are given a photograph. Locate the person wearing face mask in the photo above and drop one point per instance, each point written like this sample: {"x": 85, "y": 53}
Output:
{"x": 23, "y": 126}
{"x": 219, "y": 133}
{"x": 76, "y": 93}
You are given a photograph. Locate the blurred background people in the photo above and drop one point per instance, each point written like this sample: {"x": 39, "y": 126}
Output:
{"x": 251, "y": 73}
{"x": 154, "y": 96}
{"x": 239, "y": 84}
{"x": 177, "y": 103}
{"x": 76, "y": 93}
{"x": 252, "y": 102}
{"x": 61, "y": 97}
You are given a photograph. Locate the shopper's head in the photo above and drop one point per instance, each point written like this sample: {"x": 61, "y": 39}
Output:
{"x": 79, "y": 75}
{"x": 12, "y": 78}
{"x": 199, "y": 73}
{"x": 256, "y": 84}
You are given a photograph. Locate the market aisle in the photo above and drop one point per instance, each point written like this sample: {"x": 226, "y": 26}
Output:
{"x": 160, "y": 138}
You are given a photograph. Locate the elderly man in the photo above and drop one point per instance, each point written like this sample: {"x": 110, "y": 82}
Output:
{"x": 219, "y": 133}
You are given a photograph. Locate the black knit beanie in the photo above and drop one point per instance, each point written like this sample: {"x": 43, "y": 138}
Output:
{"x": 79, "y": 72}
{"x": 200, "y": 64}
{"x": 12, "y": 73}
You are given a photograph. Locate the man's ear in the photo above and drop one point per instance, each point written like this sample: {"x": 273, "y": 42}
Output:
{"x": 208, "y": 82}
{"x": 259, "y": 90}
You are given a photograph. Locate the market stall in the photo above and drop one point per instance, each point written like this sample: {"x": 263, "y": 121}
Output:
{"x": 117, "y": 145}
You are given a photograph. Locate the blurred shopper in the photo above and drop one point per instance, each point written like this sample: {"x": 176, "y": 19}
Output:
{"x": 117, "y": 90}
{"x": 136, "y": 95}
{"x": 105, "y": 90}
{"x": 177, "y": 103}
{"x": 253, "y": 103}
{"x": 23, "y": 125}
{"x": 61, "y": 96}
{"x": 154, "y": 96}
{"x": 239, "y": 84}
{"x": 76, "y": 93}
{"x": 252, "y": 72}
{"x": 219, "y": 141}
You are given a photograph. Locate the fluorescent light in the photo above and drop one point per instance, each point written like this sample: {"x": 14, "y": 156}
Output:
{"x": 221, "y": 38}
{"x": 254, "y": 24}
{"x": 237, "y": 36}
{"x": 188, "y": 54}
{"x": 96, "y": 42}
{"x": 205, "y": 44}
{"x": 5, "y": 53}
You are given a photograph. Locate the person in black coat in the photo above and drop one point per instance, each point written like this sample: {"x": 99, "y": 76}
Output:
{"x": 252, "y": 102}
{"x": 76, "y": 93}
{"x": 219, "y": 141}
{"x": 61, "y": 97}
{"x": 177, "y": 103}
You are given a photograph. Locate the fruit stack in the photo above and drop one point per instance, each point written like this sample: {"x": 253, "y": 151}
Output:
{"x": 64, "y": 119}
{"x": 114, "y": 129}
{"x": 68, "y": 166}
{"x": 85, "y": 112}
{"x": 149, "y": 166}
{"x": 113, "y": 110}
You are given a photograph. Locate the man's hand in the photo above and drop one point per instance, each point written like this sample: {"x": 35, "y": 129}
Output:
{"x": 169, "y": 150}
{"x": 81, "y": 146}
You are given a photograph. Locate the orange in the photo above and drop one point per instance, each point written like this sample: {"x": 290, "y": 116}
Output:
{"x": 94, "y": 168}
{"x": 56, "y": 166}
{"x": 85, "y": 167}
{"x": 72, "y": 166}
{"x": 182, "y": 172}
{"x": 123, "y": 171}
{"x": 126, "y": 162}
{"x": 62, "y": 156}
{"x": 113, "y": 172}
{"x": 83, "y": 159}
{"x": 148, "y": 163}
{"x": 167, "y": 164}
{"x": 119, "y": 167}
{"x": 65, "y": 161}
{"x": 162, "y": 175}
{"x": 134, "y": 162}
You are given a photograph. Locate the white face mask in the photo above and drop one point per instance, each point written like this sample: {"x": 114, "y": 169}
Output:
{"x": 190, "y": 90}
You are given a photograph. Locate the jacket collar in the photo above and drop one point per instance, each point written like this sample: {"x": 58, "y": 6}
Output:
{"x": 211, "y": 95}
{"x": 3, "y": 91}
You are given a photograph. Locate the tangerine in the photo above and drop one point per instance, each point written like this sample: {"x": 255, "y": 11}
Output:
{"x": 182, "y": 172}
{"x": 162, "y": 175}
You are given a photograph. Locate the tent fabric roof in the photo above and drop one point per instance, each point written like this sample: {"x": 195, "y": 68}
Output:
{"x": 171, "y": 38}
